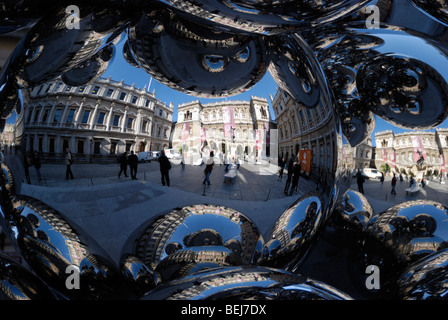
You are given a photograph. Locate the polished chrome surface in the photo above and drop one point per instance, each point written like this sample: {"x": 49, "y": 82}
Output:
{"x": 353, "y": 212}
{"x": 426, "y": 279}
{"x": 243, "y": 283}
{"x": 294, "y": 233}
{"x": 325, "y": 55}
{"x": 199, "y": 235}
{"x": 52, "y": 247}
{"x": 18, "y": 283}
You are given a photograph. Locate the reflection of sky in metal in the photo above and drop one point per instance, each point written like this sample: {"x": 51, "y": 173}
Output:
{"x": 403, "y": 44}
{"x": 226, "y": 228}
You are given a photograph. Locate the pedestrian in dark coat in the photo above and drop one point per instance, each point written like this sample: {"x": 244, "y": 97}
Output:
{"x": 289, "y": 176}
{"x": 281, "y": 164}
{"x": 295, "y": 178}
{"x": 208, "y": 168}
{"x": 133, "y": 163}
{"x": 68, "y": 163}
{"x": 360, "y": 180}
{"x": 123, "y": 165}
{"x": 165, "y": 166}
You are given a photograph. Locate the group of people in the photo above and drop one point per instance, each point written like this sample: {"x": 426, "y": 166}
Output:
{"x": 292, "y": 179}
{"x": 132, "y": 162}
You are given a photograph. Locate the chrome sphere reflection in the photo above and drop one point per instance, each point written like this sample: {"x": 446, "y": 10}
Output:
{"x": 426, "y": 279}
{"x": 18, "y": 283}
{"x": 199, "y": 235}
{"x": 50, "y": 245}
{"x": 412, "y": 229}
{"x": 294, "y": 233}
{"x": 243, "y": 283}
{"x": 353, "y": 212}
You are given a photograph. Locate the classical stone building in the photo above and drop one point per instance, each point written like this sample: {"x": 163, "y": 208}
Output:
{"x": 402, "y": 151}
{"x": 301, "y": 128}
{"x": 96, "y": 121}
{"x": 359, "y": 157}
{"x": 230, "y": 128}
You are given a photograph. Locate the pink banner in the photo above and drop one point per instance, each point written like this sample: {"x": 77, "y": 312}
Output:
{"x": 418, "y": 148}
{"x": 394, "y": 163}
{"x": 185, "y": 132}
{"x": 203, "y": 134}
{"x": 258, "y": 139}
{"x": 268, "y": 135}
{"x": 442, "y": 163}
{"x": 385, "y": 155}
{"x": 229, "y": 120}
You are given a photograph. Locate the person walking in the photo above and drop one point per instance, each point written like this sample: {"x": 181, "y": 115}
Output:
{"x": 289, "y": 176}
{"x": 123, "y": 165}
{"x": 282, "y": 168}
{"x": 295, "y": 178}
{"x": 37, "y": 164}
{"x": 394, "y": 183}
{"x": 360, "y": 180}
{"x": 133, "y": 163}
{"x": 68, "y": 162}
{"x": 165, "y": 166}
{"x": 208, "y": 168}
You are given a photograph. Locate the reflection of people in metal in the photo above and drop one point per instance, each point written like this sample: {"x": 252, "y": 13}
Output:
{"x": 360, "y": 180}
{"x": 208, "y": 168}
{"x": 165, "y": 167}
{"x": 68, "y": 163}
{"x": 296, "y": 176}
{"x": 289, "y": 177}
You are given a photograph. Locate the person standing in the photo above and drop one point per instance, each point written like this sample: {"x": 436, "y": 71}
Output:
{"x": 208, "y": 168}
{"x": 289, "y": 176}
{"x": 165, "y": 166}
{"x": 394, "y": 183}
{"x": 133, "y": 163}
{"x": 282, "y": 168}
{"x": 37, "y": 164}
{"x": 68, "y": 163}
{"x": 295, "y": 178}
{"x": 123, "y": 165}
{"x": 360, "y": 180}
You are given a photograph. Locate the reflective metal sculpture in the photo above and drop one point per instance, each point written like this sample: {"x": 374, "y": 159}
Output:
{"x": 323, "y": 54}
{"x": 243, "y": 283}
{"x": 195, "y": 237}
{"x": 294, "y": 233}
{"x": 54, "y": 248}
{"x": 353, "y": 212}
{"x": 426, "y": 279}
{"x": 18, "y": 283}
{"x": 402, "y": 235}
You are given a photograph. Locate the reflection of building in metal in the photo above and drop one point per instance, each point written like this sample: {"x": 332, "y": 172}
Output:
{"x": 96, "y": 121}
{"x": 7, "y": 135}
{"x": 306, "y": 128}
{"x": 400, "y": 151}
{"x": 359, "y": 157}
{"x": 231, "y": 128}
